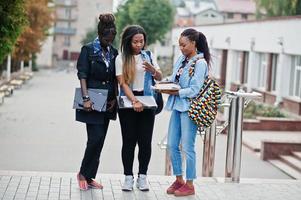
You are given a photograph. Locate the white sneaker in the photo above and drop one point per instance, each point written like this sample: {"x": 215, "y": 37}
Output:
{"x": 142, "y": 183}
{"x": 128, "y": 183}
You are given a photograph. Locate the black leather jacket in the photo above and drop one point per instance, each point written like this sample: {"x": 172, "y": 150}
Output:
{"x": 91, "y": 67}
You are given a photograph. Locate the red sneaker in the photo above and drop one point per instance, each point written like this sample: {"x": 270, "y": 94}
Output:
{"x": 93, "y": 184}
{"x": 185, "y": 190}
{"x": 82, "y": 183}
{"x": 176, "y": 185}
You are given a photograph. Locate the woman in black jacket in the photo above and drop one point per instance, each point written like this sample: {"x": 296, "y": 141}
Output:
{"x": 96, "y": 69}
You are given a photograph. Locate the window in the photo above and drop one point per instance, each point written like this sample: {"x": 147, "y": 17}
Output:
{"x": 274, "y": 71}
{"x": 262, "y": 70}
{"x": 244, "y": 16}
{"x": 236, "y": 63}
{"x": 298, "y": 82}
{"x": 295, "y": 84}
{"x": 245, "y": 64}
{"x": 68, "y": 13}
{"x": 230, "y": 15}
{"x": 67, "y": 41}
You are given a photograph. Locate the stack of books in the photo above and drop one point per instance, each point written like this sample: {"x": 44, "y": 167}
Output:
{"x": 167, "y": 86}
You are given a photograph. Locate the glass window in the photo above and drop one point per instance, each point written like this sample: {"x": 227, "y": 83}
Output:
{"x": 237, "y": 60}
{"x": 67, "y": 40}
{"x": 230, "y": 15}
{"x": 274, "y": 71}
{"x": 244, "y": 16}
{"x": 295, "y": 77}
{"x": 298, "y": 82}
{"x": 68, "y": 13}
{"x": 262, "y": 70}
{"x": 245, "y": 67}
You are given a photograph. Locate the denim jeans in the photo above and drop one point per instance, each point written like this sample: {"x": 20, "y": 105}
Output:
{"x": 182, "y": 130}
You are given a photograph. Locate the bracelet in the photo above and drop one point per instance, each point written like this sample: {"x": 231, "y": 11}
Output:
{"x": 154, "y": 74}
{"x": 86, "y": 98}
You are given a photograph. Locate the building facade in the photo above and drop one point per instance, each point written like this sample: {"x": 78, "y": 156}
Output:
{"x": 262, "y": 56}
{"x": 74, "y": 18}
{"x": 236, "y": 10}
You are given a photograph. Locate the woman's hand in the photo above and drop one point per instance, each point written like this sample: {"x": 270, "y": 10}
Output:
{"x": 138, "y": 107}
{"x": 88, "y": 105}
{"x": 150, "y": 68}
{"x": 170, "y": 92}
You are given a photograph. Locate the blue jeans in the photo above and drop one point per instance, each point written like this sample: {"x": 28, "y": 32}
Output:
{"x": 182, "y": 129}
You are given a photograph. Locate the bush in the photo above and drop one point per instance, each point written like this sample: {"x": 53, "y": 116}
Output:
{"x": 254, "y": 109}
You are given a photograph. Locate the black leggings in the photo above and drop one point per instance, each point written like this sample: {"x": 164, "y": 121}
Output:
{"x": 136, "y": 127}
{"x": 96, "y": 137}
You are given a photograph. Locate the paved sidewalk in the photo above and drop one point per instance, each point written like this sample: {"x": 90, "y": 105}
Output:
{"x": 62, "y": 186}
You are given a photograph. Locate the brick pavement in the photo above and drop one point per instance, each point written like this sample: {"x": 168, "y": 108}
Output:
{"x": 16, "y": 185}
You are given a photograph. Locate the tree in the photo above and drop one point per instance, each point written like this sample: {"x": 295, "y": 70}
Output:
{"x": 12, "y": 20}
{"x": 40, "y": 19}
{"x": 155, "y": 16}
{"x": 90, "y": 36}
{"x": 278, "y": 7}
{"x": 123, "y": 16}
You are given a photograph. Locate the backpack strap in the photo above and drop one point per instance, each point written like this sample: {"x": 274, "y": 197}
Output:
{"x": 192, "y": 67}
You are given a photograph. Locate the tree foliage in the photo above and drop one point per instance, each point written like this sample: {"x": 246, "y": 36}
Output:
{"x": 278, "y": 7}
{"x": 90, "y": 36}
{"x": 12, "y": 20}
{"x": 123, "y": 15}
{"x": 40, "y": 19}
{"x": 155, "y": 16}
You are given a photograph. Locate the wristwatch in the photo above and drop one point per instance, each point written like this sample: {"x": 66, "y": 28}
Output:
{"x": 86, "y": 98}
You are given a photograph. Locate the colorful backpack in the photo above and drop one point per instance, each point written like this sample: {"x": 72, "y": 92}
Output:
{"x": 203, "y": 107}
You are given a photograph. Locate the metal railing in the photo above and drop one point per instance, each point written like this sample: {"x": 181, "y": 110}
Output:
{"x": 236, "y": 102}
{"x": 239, "y": 101}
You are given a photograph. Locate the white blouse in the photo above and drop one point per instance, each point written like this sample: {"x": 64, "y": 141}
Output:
{"x": 138, "y": 84}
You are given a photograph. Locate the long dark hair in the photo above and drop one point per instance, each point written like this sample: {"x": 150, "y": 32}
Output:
{"x": 106, "y": 25}
{"x": 128, "y": 33}
{"x": 200, "y": 41}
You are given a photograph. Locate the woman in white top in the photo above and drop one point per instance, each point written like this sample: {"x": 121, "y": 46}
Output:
{"x": 135, "y": 71}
